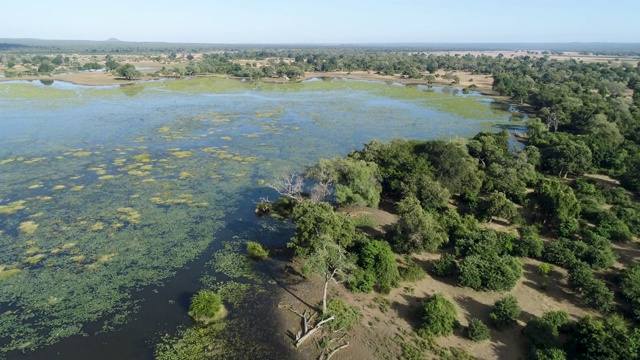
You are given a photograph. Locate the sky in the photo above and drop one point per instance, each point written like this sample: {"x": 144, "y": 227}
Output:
{"x": 325, "y": 21}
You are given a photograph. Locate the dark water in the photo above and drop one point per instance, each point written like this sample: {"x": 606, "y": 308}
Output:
{"x": 114, "y": 200}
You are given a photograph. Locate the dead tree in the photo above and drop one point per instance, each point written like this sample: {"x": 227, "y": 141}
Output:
{"x": 290, "y": 186}
{"x": 302, "y": 336}
{"x": 552, "y": 121}
{"x": 334, "y": 351}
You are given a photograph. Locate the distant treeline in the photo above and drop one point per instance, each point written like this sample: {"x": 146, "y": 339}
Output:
{"x": 125, "y": 47}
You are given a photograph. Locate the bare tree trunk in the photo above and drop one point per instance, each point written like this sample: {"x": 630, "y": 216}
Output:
{"x": 305, "y": 336}
{"x": 327, "y": 278}
{"x": 324, "y": 294}
{"x": 337, "y": 349}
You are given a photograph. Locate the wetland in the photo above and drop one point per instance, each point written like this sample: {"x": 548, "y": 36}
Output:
{"x": 118, "y": 203}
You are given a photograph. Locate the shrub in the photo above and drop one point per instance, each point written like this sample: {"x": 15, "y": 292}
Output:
{"x": 549, "y": 354}
{"x": 544, "y": 332}
{"x": 505, "y": 312}
{"x": 630, "y": 282}
{"x": 206, "y": 306}
{"x": 594, "y": 291}
{"x": 439, "y": 317}
{"x": 579, "y": 276}
{"x": 413, "y": 271}
{"x": 598, "y": 295}
{"x": 569, "y": 228}
{"x": 345, "y": 316}
{"x": 417, "y": 230}
{"x": 530, "y": 244}
{"x": 361, "y": 280}
{"x": 616, "y": 196}
{"x": 491, "y": 272}
{"x": 256, "y": 251}
{"x": 477, "y": 330}
{"x": 377, "y": 258}
{"x": 630, "y": 216}
{"x": 545, "y": 269}
{"x": 445, "y": 266}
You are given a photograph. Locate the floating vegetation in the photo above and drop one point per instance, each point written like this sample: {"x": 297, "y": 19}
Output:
{"x": 35, "y": 259}
{"x": 58, "y": 187}
{"x": 232, "y": 262}
{"x": 185, "y": 175}
{"x": 28, "y": 227}
{"x": 120, "y": 230}
{"x": 136, "y": 172}
{"x": 7, "y": 273}
{"x": 129, "y": 214}
{"x": 12, "y": 207}
{"x": 34, "y": 160}
{"x": 182, "y": 154}
{"x": 119, "y": 162}
{"x": 142, "y": 157}
{"x": 97, "y": 226}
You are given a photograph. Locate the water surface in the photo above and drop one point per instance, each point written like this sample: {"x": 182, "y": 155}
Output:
{"x": 118, "y": 203}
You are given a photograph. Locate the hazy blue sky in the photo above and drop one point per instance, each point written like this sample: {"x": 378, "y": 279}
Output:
{"x": 325, "y": 21}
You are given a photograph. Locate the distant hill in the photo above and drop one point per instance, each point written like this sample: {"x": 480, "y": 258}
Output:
{"x": 113, "y": 40}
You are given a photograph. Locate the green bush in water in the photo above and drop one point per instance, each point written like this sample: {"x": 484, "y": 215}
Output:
{"x": 256, "y": 251}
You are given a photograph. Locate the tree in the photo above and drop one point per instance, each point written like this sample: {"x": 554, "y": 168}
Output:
{"x": 439, "y": 317}
{"x": 505, "y": 312}
{"x": 630, "y": 179}
{"x": 328, "y": 260}
{"x": 314, "y": 220}
{"x": 490, "y": 271}
{"x": 416, "y": 230}
{"x": 377, "y": 258}
{"x": 595, "y": 339}
{"x": 445, "y": 266}
{"x": 477, "y": 330}
{"x": 566, "y": 156}
{"x": 454, "y": 168}
{"x": 497, "y": 205}
{"x": 530, "y": 244}
{"x": 290, "y": 186}
{"x": 554, "y": 203}
{"x": 111, "y": 65}
{"x": 46, "y": 67}
{"x": 630, "y": 282}
{"x": 129, "y": 72}
{"x": 355, "y": 181}
{"x": 543, "y": 334}
{"x": 57, "y": 60}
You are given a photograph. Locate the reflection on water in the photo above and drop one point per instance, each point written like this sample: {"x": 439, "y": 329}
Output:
{"x": 107, "y": 193}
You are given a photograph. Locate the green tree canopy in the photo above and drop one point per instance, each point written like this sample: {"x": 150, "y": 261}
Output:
{"x": 314, "y": 220}
{"x": 554, "y": 202}
{"x": 129, "y": 72}
{"x": 439, "y": 317}
{"x": 416, "y": 230}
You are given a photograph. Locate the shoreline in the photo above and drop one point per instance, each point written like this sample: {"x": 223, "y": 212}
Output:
{"x": 102, "y": 78}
